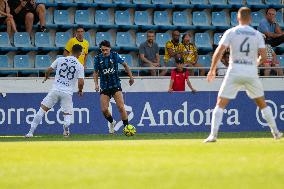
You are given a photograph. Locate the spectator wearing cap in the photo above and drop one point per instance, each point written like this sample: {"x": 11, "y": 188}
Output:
{"x": 179, "y": 76}
{"x": 271, "y": 29}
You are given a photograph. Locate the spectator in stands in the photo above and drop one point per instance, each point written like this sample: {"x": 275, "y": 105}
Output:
{"x": 223, "y": 64}
{"x": 6, "y": 17}
{"x": 27, "y": 13}
{"x": 173, "y": 47}
{"x": 149, "y": 53}
{"x": 271, "y": 62}
{"x": 271, "y": 29}
{"x": 190, "y": 54}
{"x": 179, "y": 75}
{"x": 78, "y": 39}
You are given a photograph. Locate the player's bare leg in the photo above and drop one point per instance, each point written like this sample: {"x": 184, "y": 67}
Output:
{"x": 67, "y": 122}
{"x": 104, "y": 108}
{"x": 217, "y": 117}
{"x": 37, "y": 119}
{"x": 267, "y": 114}
{"x": 118, "y": 97}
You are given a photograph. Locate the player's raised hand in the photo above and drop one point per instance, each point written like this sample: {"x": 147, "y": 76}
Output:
{"x": 131, "y": 81}
{"x": 97, "y": 88}
{"x": 46, "y": 78}
{"x": 211, "y": 75}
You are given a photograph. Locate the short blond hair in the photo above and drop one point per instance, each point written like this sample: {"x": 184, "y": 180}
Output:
{"x": 244, "y": 13}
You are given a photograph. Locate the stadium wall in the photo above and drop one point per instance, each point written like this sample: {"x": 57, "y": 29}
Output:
{"x": 150, "y": 107}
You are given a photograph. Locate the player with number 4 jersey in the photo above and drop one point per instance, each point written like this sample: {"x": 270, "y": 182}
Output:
{"x": 68, "y": 71}
{"x": 247, "y": 50}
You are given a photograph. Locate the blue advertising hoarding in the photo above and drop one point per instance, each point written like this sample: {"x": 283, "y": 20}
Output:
{"x": 149, "y": 111}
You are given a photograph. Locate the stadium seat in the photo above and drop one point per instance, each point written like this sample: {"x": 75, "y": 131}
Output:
{"x": 256, "y": 4}
{"x": 49, "y": 19}
{"x": 83, "y": 18}
{"x": 128, "y": 59}
{"x": 280, "y": 58}
{"x": 61, "y": 38}
{"x": 256, "y": 18}
{"x": 62, "y": 18}
{"x": 163, "y": 4}
{"x": 279, "y": 18}
{"x": 105, "y": 3}
{"x": 219, "y": 4}
{"x": 234, "y": 20}
{"x": 5, "y": 43}
{"x": 22, "y": 40}
{"x": 4, "y": 63}
{"x": 89, "y": 64}
{"x": 201, "y": 19}
{"x": 162, "y": 19}
{"x": 220, "y": 20}
{"x": 42, "y": 61}
{"x": 125, "y": 41}
{"x": 140, "y": 38}
{"x": 183, "y": 4}
{"x": 100, "y": 36}
{"x": 92, "y": 45}
{"x": 236, "y": 3}
{"x": 274, "y": 3}
{"x": 181, "y": 20}
{"x": 143, "y": 20}
{"x": 123, "y": 19}
{"x": 203, "y": 42}
{"x": 86, "y": 3}
{"x": 65, "y": 3}
{"x": 205, "y": 60}
{"x": 143, "y": 3}
{"x": 23, "y": 61}
{"x": 217, "y": 37}
{"x": 123, "y": 3}
{"x": 201, "y": 4}
{"x": 162, "y": 38}
{"x": 104, "y": 19}
{"x": 43, "y": 41}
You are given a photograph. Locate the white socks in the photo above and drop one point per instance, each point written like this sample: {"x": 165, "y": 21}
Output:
{"x": 37, "y": 119}
{"x": 217, "y": 117}
{"x": 268, "y": 116}
{"x": 67, "y": 120}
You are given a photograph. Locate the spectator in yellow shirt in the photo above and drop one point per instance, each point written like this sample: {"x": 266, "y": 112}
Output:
{"x": 173, "y": 47}
{"x": 190, "y": 54}
{"x": 78, "y": 39}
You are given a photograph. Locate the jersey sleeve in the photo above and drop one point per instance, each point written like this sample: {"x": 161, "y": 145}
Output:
{"x": 263, "y": 27}
{"x": 173, "y": 75}
{"x": 54, "y": 64}
{"x": 119, "y": 59}
{"x": 169, "y": 45}
{"x": 96, "y": 63}
{"x": 225, "y": 40}
{"x": 87, "y": 47}
{"x": 260, "y": 39}
{"x": 69, "y": 45}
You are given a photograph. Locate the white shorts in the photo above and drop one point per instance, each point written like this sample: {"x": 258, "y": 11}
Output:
{"x": 232, "y": 84}
{"x": 65, "y": 99}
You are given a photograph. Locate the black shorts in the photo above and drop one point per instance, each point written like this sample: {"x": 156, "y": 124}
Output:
{"x": 110, "y": 92}
{"x": 20, "y": 18}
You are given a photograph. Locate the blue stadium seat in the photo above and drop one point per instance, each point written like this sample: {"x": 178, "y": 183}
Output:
{"x": 256, "y": 18}
{"x": 217, "y": 38}
{"x": 205, "y": 60}
{"x": 86, "y": 3}
{"x": 89, "y": 64}
{"x": 105, "y": 3}
{"x": 143, "y": 3}
{"x": 256, "y": 4}
{"x": 124, "y": 40}
{"x": 279, "y": 18}
{"x": 183, "y": 4}
{"x": 162, "y": 38}
{"x": 162, "y": 3}
{"x": 5, "y": 43}
{"x": 92, "y": 45}
{"x": 124, "y": 3}
{"x": 65, "y": 3}
{"x": 181, "y": 20}
{"x": 83, "y": 18}
{"x": 5, "y": 63}
{"x": 100, "y": 36}
{"x": 162, "y": 19}
{"x": 234, "y": 20}
{"x": 23, "y": 61}
{"x": 201, "y": 19}
{"x": 203, "y": 41}
{"x": 143, "y": 20}
{"x": 280, "y": 58}
{"x": 104, "y": 19}
{"x": 43, "y": 41}
{"x": 201, "y": 4}
{"x": 62, "y": 18}
{"x": 49, "y": 19}
{"x": 220, "y": 20}
{"x": 22, "y": 40}
{"x": 236, "y": 3}
{"x": 61, "y": 38}
{"x": 128, "y": 59}
{"x": 274, "y": 3}
{"x": 140, "y": 38}
{"x": 42, "y": 61}
{"x": 123, "y": 19}
{"x": 219, "y": 4}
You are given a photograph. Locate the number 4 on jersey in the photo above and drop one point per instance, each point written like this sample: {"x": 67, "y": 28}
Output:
{"x": 244, "y": 48}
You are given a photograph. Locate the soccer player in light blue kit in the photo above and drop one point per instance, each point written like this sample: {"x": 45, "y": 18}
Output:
{"x": 106, "y": 66}
{"x": 245, "y": 44}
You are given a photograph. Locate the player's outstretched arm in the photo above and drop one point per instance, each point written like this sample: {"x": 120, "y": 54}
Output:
{"x": 190, "y": 86}
{"x": 96, "y": 80}
{"x": 262, "y": 56}
{"x": 47, "y": 74}
{"x": 127, "y": 70}
{"x": 216, "y": 57}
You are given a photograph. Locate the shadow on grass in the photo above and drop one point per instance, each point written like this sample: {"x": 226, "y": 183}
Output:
{"x": 148, "y": 136}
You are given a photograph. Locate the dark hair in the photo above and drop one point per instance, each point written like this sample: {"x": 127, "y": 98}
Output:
{"x": 183, "y": 36}
{"x": 151, "y": 31}
{"x": 77, "y": 48}
{"x": 105, "y": 43}
{"x": 266, "y": 11}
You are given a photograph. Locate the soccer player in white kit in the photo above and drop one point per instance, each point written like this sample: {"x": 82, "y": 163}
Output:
{"x": 68, "y": 71}
{"x": 245, "y": 44}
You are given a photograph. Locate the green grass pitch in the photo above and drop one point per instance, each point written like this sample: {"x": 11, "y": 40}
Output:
{"x": 145, "y": 161}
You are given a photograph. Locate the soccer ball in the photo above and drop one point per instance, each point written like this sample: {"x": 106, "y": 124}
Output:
{"x": 129, "y": 130}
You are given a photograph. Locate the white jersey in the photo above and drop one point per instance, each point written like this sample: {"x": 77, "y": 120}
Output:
{"x": 221, "y": 69}
{"x": 68, "y": 70}
{"x": 244, "y": 42}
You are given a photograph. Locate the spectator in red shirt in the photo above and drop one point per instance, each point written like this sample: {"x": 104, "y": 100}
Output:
{"x": 178, "y": 77}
